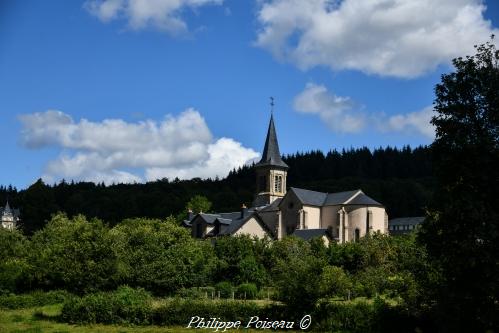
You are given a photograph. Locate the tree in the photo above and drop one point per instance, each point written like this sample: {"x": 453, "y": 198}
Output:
{"x": 73, "y": 254}
{"x": 462, "y": 230}
{"x": 334, "y": 282}
{"x": 160, "y": 256}
{"x": 198, "y": 204}
{"x": 295, "y": 275}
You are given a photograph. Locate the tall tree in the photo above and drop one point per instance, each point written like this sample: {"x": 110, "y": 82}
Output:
{"x": 462, "y": 232}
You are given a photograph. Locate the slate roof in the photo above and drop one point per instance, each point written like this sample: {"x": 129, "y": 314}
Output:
{"x": 307, "y": 234}
{"x": 308, "y": 197}
{"x": 362, "y": 199}
{"x": 271, "y": 155}
{"x": 406, "y": 220}
{"x": 339, "y": 198}
{"x": 320, "y": 199}
{"x": 7, "y": 210}
{"x": 274, "y": 206}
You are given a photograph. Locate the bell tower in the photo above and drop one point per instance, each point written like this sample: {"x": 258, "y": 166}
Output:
{"x": 271, "y": 171}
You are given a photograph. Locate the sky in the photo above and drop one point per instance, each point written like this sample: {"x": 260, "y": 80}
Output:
{"x": 133, "y": 91}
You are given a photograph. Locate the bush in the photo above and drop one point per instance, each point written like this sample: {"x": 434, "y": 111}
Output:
{"x": 247, "y": 291}
{"x": 124, "y": 306}
{"x": 37, "y": 298}
{"x": 224, "y": 289}
{"x": 180, "y": 311}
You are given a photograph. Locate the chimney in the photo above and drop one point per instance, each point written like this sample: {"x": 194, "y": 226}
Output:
{"x": 244, "y": 211}
{"x": 190, "y": 214}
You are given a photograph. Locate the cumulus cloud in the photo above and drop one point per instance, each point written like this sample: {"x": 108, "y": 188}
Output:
{"x": 413, "y": 122}
{"x": 400, "y": 38}
{"x": 336, "y": 111}
{"x": 164, "y": 15}
{"x": 107, "y": 151}
{"x": 343, "y": 115}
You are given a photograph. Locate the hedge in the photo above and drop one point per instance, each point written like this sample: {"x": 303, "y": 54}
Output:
{"x": 124, "y": 306}
{"x": 37, "y": 298}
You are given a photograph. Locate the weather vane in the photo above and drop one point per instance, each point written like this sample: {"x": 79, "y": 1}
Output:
{"x": 271, "y": 105}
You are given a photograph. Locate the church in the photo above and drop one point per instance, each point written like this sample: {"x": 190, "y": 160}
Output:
{"x": 278, "y": 211}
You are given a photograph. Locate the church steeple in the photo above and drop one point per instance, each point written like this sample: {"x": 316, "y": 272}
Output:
{"x": 271, "y": 171}
{"x": 271, "y": 155}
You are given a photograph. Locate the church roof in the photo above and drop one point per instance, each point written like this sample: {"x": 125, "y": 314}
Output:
{"x": 319, "y": 199}
{"x": 271, "y": 155}
{"x": 308, "y": 197}
{"x": 362, "y": 199}
{"x": 307, "y": 234}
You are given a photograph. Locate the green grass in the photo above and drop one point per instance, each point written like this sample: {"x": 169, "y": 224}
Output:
{"x": 42, "y": 320}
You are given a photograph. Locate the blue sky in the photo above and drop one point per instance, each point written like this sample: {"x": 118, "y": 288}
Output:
{"x": 127, "y": 90}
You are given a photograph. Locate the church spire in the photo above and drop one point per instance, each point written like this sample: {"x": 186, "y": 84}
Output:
{"x": 271, "y": 155}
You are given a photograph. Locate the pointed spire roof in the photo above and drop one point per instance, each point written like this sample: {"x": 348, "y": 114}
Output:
{"x": 271, "y": 155}
{"x": 7, "y": 210}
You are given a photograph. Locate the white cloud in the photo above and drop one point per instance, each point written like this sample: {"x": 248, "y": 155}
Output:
{"x": 413, "y": 122}
{"x": 401, "y": 38}
{"x": 180, "y": 146}
{"x": 337, "y": 112}
{"x": 164, "y": 15}
{"x": 341, "y": 115}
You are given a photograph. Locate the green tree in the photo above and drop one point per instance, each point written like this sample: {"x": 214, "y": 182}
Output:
{"x": 13, "y": 265}
{"x": 73, "y": 254}
{"x": 462, "y": 231}
{"x": 160, "y": 256}
{"x": 199, "y": 203}
{"x": 334, "y": 282}
{"x": 295, "y": 274}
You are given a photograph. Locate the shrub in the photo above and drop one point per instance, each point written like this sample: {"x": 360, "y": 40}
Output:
{"x": 334, "y": 282}
{"x": 37, "y": 298}
{"x": 124, "y": 306}
{"x": 180, "y": 311}
{"x": 247, "y": 291}
{"x": 224, "y": 289}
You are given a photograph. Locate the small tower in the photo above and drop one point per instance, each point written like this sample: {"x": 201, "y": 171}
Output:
{"x": 271, "y": 171}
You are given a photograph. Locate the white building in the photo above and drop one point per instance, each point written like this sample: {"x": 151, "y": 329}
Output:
{"x": 9, "y": 217}
{"x": 277, "y": 212}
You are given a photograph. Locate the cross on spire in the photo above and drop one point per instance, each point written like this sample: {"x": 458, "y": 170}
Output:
{"x": 271, "y": 105}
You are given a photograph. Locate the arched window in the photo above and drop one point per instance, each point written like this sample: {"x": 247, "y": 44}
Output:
{"x": 357, "y": 234}
{"x": 278, "y": 183}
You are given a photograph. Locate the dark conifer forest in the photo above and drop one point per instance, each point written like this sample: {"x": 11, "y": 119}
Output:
{"x": 401, "y": 179}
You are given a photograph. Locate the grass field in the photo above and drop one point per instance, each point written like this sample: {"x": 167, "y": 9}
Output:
{"x": 38, "y": 320}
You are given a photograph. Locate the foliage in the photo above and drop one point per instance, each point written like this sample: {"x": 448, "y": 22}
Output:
{"x": 238, "y": 259}
{"x": 198, "y": 204}
{"x": 160, "y": 256}
{"x": 13, "y": 265}
{"x": 224, "y": 289}
{"x": 247, "y": 291}
{"x": 462, "y": 229}
{"x": 180, "y": 311}
{"x": 73, "y": 254}
{"x": 334, "y": 282}
{"x": 37, "y": 298}
{"x": 295, "y": 274}
{"x": 124, "y": 306}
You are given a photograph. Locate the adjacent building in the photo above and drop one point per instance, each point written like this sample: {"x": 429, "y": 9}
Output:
{"x": 404, "y": 225}
{"x": 277, "y": 212}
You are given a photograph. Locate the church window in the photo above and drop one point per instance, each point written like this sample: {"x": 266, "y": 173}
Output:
{"x": 278, "y": 184}
{"x": 357, "y": 235}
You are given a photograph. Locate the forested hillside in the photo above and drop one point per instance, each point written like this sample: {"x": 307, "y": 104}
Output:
{"x": 401, "y": 179}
